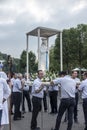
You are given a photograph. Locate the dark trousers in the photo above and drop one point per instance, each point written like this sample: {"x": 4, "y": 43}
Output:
{"x": 11, "y": 101}
{"x": 45, "y": 100}
{"x": 76, "y": 106}
{"x": 36, "y": 108}
{"x": 53, "y": 100}
{"x": 0, "y": 116}
{"x": 65, "y": 104}
{"x": 17, "y": 96}
{"x": 85, "y": 111}
{"x": 27, "y": 96}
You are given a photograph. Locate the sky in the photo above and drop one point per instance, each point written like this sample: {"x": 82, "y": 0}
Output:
{"x": 17, "y": 17}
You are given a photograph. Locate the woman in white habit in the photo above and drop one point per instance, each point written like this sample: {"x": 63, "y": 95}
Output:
{"x": 6, "y": 94}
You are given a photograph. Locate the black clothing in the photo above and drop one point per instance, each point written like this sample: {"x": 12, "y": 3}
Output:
{"x": 17, "y": 96}
{"x": 45, "y": 101}
{"x": 65, "y": 104}
{"x": 76, "y": 106}
{"x": 37, "y": 104}
{"x": 53, "y": 100}
{"x": 26, "y": 95}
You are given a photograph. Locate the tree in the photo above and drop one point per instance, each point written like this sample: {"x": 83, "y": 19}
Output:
{"x": 32, "y": 62}
{"x": 33, "y": 65}
{"x": 74, "y": 49}
{"x": 23, "y": 62}
{"x": 54, "y": 56}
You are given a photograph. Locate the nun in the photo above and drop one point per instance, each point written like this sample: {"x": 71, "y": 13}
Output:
{"x": 5, "y": 92}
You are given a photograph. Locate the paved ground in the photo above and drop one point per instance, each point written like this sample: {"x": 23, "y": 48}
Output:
{"x": 48, "y": 121}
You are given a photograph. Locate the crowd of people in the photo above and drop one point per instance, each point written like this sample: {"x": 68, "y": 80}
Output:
{"x": 18, "y": 88}
{"x": 69, "y": 87}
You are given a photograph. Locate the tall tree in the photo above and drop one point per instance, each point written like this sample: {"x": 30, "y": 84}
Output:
{"x": 32, "y": 62}
{"x": 74, "y": 48}
{"x": 54, "y": 56}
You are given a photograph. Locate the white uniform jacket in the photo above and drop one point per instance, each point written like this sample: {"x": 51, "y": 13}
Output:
{"x": 5, "y": 94}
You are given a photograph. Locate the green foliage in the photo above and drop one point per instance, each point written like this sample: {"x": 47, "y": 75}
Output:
{"x": 74, "y": 49}
{"x": 19, "y": 65}
{"x": 32, "y": 62}
{"x": 15, "y": 63}
{"x": 54, "y": 56}
{"x": 23, "y": 61}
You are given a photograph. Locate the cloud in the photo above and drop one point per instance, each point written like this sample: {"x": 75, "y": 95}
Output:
{"x": 17, "y": 17}
{"x": 79, "y": 6}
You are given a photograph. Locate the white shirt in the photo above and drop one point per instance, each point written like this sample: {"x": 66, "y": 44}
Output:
{"x": 45, "y": 88}
{"x": 4, "y": 91}
{"x": 37, "y": 83}
{"x": 68, "y": 86}
{"x": 83, "y": 88}
{"x": 53, "y": 88}
{"x": 77, "y": 80}
{"x": 12, "y": 80}
{"x": 26, "y": 86}
{"x": 17, "y": 85}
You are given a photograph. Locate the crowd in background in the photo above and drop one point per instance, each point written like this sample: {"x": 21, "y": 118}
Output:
{"x": 22, "y": 89}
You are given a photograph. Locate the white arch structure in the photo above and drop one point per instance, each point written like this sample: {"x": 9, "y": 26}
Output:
{"x": 44, "y": 33}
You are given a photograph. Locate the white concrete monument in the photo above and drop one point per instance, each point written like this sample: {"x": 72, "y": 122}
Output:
{"x": 44, "y": 55}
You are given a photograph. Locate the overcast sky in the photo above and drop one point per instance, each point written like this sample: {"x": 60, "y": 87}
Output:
{"x": 17, "y": 17}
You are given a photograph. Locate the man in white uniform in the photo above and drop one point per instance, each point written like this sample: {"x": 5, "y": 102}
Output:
{"x": 67, "y": 99}
{"x": 77, "y": 80}
{"x": 26, "y": 93}
{"x": 37, "y": 96}
{"x": 17, "y": 97}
